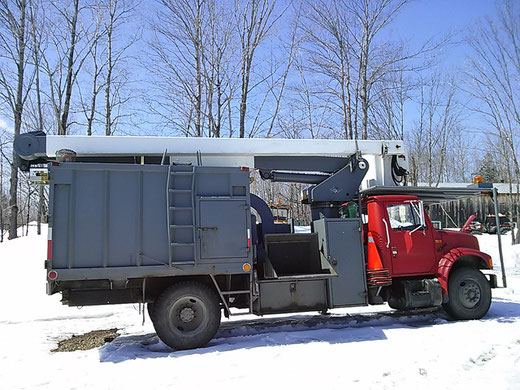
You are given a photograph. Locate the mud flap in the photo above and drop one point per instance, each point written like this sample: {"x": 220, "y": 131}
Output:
{"x": 492, "y": 280}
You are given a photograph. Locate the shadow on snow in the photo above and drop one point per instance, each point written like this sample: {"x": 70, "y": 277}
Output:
{"x": 298, "y": 329}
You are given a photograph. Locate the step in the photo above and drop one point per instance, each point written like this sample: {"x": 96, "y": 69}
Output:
{"x": 236, "y": 292}
{"x": 297, "y": 277}
{"x": 179, "y": 191}
{"x": 180, "y": 208}
{"x": 421, "y": 292}
{"x": 182, "y": 244}
{"x": 182, "y": 226}
{"x": 176, "y": 263}
{"x": 182, "y": 173}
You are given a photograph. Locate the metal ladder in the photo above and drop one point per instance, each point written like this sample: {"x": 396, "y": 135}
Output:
{"x": 182, "y": 229}
{"x": 181, "y": 215}
{"x": 224, "y": 294}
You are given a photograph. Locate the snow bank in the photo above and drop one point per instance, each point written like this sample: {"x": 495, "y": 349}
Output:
{"x": 371, "y": 347}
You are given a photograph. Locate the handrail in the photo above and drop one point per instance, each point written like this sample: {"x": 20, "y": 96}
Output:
{"x": 387, "y": 234}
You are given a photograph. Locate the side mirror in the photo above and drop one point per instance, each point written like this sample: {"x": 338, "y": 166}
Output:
{"x": 419, "y": 210}
{"x": 421, "y": 214}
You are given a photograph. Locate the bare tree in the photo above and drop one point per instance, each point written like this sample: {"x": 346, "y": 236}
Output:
{"x": 219, "y": 71}
{"x": 330, "y": 50}
{"x": 88, "y": 104}
{"x": 493, "y": 74}
{"x": 195, "y": 65}
{"x": 118, "y": 14}
{"x": 178, "y": 54}
{"x": 255, "y": 21}
{"x": 281, "y": 81}
{"x": 440, "y": 118}
{"x": 73, "y": 23}
{"x": 14, "y": 84}
{"x": 2, "y": 223}
{"x": 372, "y": 17}
{"x": 36, "y": 38}
{"x": 359, "y": 70}
{"x": 72, "y": 36}
{"x": 387, "y": 114}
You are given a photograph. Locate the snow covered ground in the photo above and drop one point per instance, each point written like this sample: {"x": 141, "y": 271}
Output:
{"x": 362, "y": 348}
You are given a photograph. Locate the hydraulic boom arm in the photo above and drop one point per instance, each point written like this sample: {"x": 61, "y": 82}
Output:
{"x": 310, "y": 155}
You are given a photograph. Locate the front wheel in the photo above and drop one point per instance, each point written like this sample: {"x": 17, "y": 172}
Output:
{"x": 186, "y": 315}
{"x": 469, "y": 294}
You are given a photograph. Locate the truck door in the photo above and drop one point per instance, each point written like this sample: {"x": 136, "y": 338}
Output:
{"x": 411, "y": 244}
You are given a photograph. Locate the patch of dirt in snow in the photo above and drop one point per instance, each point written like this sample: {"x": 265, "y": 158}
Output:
{"x": 483, "y": 358}
{"x": 90, "y": 340}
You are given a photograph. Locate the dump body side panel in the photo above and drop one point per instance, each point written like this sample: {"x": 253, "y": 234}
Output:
{"x": 108, "y": 215}
{"x": 110, "y": 218}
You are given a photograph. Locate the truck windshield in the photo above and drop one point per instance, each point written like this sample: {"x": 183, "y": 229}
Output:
{"x": 402, "y": 216}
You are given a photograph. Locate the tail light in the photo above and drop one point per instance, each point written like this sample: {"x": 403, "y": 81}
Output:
{"x": 52, "y": 275}
{"x": 49, "y": 244}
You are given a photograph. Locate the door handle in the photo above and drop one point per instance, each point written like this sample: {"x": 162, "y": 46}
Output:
{"x": 205, "y": 229}
{"x": 387, "y": 234}
{"x": 394, "y": 251}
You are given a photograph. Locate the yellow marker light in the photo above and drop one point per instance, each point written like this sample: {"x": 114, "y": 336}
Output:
{"x": 490, "y": 263}
{"x": 246, "y": 267}
{"x": 477, "y": 179}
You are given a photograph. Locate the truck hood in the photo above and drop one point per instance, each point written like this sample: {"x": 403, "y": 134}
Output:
{"x": 453, "y": 239}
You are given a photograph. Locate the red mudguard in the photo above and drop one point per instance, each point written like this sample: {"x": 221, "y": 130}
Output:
{"x": 447, "y": 261}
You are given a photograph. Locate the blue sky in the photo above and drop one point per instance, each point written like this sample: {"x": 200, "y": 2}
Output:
{"x": 421, "y": 20}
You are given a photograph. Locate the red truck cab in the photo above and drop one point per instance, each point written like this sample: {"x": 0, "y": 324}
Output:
{"x": 420, "y": 259}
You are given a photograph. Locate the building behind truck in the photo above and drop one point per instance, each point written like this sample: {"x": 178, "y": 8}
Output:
{"x": 171, "y": 222}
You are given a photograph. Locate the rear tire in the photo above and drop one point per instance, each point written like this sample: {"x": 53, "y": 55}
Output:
{"x": 469, "y": 294}
{"x": 150, "y": 308}
{"x": 186, "y": 315}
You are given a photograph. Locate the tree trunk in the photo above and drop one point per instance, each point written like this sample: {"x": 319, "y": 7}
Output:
{"x": 62, "y": 125}
{"x": 108, "y": 107}
{"x": 246, "y": 69}
{"x": 18, "y": 109}
{"x": 198, "y": 74}
{"x": 1, "y": 196}
{"x": 95, "y": 91}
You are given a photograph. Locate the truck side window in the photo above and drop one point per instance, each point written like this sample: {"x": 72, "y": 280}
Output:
{"x": 402, "y": 216}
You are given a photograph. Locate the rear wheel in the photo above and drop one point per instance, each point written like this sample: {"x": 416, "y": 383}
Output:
{"x": 469, "y": 294}
{"x": 150, "y": 308}
{"x": 186, "y": 315}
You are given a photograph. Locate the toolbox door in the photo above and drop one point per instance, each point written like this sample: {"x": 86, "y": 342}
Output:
{"x": 223, "y": 228}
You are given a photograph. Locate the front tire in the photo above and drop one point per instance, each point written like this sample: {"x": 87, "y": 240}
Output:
{"x": 186, "y": 315}
{"x": 469, "y": 294}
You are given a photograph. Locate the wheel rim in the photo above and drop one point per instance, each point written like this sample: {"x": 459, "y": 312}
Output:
{"x": 469, "y": 293}
{"x": 188, "y": 315}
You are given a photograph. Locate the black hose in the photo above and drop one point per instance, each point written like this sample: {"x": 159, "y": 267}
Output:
{"x": 398, "y": 172}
